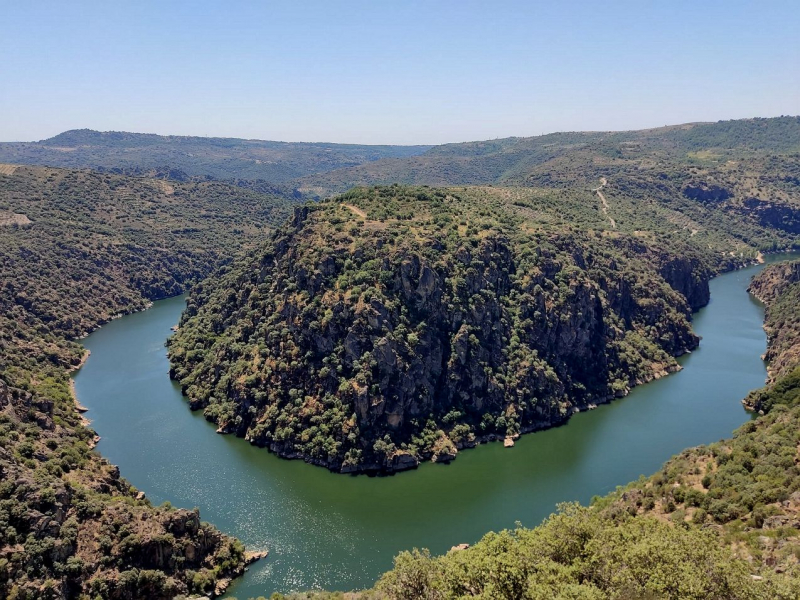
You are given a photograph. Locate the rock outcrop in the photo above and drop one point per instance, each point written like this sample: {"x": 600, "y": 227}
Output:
{"x": 78, "y": 519}
{"x": 778, "y": 287}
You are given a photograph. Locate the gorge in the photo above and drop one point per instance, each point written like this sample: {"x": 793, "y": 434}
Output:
{"x": 383, "y": 329}
{"x": 325, "y": 530}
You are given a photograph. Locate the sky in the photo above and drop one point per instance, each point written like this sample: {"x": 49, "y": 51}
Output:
{"x": 393, "y": 72}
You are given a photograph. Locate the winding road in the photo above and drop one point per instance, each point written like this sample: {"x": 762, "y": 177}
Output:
{"x": 604, "y": 202}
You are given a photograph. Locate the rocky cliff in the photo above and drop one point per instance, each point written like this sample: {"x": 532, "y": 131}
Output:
{"x": 778, "y": 286}
{"x": 394, "y": 325}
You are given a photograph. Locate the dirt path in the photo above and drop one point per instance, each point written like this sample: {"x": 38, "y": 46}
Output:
{"x": 604, "y": 202}
{"x": 355, "y": 210}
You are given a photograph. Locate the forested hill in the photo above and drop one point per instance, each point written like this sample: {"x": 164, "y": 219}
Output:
{"x": 579, "y": 157}
{"x": 76, "y": 249}
{"x": 188, "y": 156}
{"x": 320, "y": 169}
{"x": 716, "y": 522}
{"x": 392, "y": 325}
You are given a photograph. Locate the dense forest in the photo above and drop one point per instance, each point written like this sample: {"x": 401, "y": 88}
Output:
{"x": 78, "y": 248}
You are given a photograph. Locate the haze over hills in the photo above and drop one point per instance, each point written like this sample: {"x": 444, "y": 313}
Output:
{"x": 190, "y": 156}
{"x": 315, "y": 170}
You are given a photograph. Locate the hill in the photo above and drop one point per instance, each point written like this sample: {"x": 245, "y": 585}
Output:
{"x": 579, "y": 157}
{"x": 78, "y": 248}
{"x": 188, "y": 156}
{"x": 718, "y": 521}
{"x": 391, "y": 325}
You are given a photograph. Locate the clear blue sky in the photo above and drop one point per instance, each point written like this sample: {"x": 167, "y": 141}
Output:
{"x": 372, "y": 71}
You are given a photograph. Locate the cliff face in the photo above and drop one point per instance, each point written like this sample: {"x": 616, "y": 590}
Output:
{"x": 773, "y": 214}
{"x": 688, "y": 277}
{"x": 774, "y": 280}
{"x": 778, "y": 286}
{"x": 363, "y": 341}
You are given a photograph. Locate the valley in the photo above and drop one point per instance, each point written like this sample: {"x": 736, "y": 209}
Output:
{"x": 424, "y": 301}
{"x": 324, "y": 530}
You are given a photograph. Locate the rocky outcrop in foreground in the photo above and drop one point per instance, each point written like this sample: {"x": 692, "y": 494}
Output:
{"x": 71, "y": 525}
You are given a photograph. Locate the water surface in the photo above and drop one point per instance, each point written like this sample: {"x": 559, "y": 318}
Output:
{"x": 340, "y": 532}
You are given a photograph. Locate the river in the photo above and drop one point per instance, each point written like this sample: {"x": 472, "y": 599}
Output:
{"x": 325, "y": 530}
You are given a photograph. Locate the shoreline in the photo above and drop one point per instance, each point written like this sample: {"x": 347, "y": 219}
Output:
{"x": 407, "y": 465}
{"x": 407, "y": 462}
{"x": 72, "y": 392}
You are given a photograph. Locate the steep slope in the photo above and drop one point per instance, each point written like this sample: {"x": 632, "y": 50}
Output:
{"x": 76, "y": 249}
{"x": 778, "y": 286}
{"x": 221, "y": 158}
{"x": 717, "y": 521}
{"x": 393, "y": 325}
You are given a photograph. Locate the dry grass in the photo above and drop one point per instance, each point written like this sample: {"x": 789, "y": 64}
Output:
{"x": 10, "y": 218}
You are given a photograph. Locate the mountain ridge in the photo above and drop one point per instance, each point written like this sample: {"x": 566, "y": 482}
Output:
{"x": 220, "y": 158}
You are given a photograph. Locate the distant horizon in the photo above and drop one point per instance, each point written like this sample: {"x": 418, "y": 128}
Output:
{"x": 346, "y": 143}
{"x": 392, "y": 73}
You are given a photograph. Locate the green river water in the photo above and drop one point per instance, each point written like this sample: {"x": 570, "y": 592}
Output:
{"x": 325, "y": 530}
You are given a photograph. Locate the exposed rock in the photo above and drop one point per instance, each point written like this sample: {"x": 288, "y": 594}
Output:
{"x": 773, "y": 214}
{"x": 779, "y": 521}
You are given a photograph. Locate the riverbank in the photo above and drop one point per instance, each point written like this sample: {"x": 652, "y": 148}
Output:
{"x": 324, "y": 530}
{"x": 717, "y": 521}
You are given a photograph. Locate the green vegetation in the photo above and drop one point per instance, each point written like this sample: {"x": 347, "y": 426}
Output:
{"x": 718, "y": 521}
{"x": 397, "y": 324}
{"x": 779, "y": 287}
{"x": 392, "y": 325}
{"x": 580, "y": 554}
{"x": 92, "y": 246}
{"x": 707, "y": 149}
{"x": 184, "y": 156}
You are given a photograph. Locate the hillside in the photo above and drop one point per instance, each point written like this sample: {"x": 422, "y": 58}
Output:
{"x": 778, "y": 286}
{"x": 188, "y": 156}
{"x": 717, "y": 521}
{"x": 579, "y": 157}
{"x": 393, "y": 325}
{"x": 78, "y": 248}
